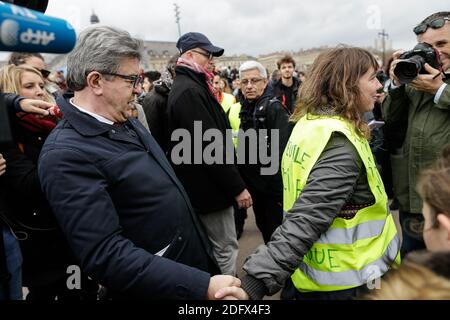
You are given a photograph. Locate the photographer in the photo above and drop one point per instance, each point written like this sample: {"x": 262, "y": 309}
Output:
{"x": 419, "y": 111}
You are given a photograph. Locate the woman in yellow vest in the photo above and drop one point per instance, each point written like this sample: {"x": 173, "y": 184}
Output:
{"x": 226, "y": 99}
{"x": 338, "y": 236}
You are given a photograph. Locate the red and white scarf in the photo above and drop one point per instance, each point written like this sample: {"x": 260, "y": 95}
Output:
{"x": 199, "y": 69}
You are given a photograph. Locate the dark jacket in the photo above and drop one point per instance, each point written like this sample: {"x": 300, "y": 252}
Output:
{"x": 423, "y": 127}
{"x": 155, "y": 108}
{"x": 269, "y": 114}
{"x": 120, "y": 203}
{"x": 279, "y": 92}
{"x": 210, "y": 187}
{"x": 9, "y": 106}
{"x": 46, "y": 254}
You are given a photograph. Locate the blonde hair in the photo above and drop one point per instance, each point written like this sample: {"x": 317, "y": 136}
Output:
{"x": 412, "y": 282}
{"x": 11, "y": 79}
{"x": 332, "y": 85}
{"x": 434, "y": 185}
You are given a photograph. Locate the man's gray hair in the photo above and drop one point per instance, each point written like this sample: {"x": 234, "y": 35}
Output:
{"x": 252, "y": 65}
{"x": 99, "y": 49}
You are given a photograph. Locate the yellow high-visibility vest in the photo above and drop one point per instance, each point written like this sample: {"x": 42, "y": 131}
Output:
{"x": 353, "y": 251}
{"x": 235, "y": 121}
{"x": 227, "y": 101}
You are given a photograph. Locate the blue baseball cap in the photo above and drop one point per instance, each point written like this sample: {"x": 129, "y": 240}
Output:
{"x": 193, "y": 40}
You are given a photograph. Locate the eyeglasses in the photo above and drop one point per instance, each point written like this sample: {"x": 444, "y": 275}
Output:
{"x": 205, "y": 54}
{"x": 136, "y": 79}
{"x": 435, "y": 24}
{"x": 252, "y": 81}
{"x": 45, "y": 73}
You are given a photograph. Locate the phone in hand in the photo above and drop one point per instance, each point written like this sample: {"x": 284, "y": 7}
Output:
{"x": 375, "y": 124}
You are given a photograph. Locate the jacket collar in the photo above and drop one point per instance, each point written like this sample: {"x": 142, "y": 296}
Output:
{"x": 295, "y": 84}
{"x": 83, "y": 123}
{"x": 200, "y": 78}
{"x": 250, "y": 104}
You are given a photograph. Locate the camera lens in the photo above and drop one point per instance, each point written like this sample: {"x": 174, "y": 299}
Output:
{"x": 408, "y": 69}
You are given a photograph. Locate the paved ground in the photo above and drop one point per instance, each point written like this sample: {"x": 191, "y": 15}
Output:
{"x": 250, "y": 240}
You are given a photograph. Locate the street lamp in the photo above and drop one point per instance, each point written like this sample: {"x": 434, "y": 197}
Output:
{"x": 177, "y": 17}
{"x": 384, "y": 36}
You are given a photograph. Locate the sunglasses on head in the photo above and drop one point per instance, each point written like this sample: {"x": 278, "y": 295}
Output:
{"x": 435, "y": 24}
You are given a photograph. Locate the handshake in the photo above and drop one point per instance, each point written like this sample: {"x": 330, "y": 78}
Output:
{"x": 223, "y": 287}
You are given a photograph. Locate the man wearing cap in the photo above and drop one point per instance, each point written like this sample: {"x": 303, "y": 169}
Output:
{"x": 212, "y": 188}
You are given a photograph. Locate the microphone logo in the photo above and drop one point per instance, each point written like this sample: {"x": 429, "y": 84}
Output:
{"x": 37, "y": 37}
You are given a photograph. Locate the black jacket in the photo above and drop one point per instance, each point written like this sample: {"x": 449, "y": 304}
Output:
{"x": 119, "y": 204}
{"x": 9, "y": 104}
{"x": 210, "y": 187}
{"x": 270, "y": 114}
{"x": 46, "y": 254}
{"x": 279, "y": 92}
{"x": 155, "y": 108}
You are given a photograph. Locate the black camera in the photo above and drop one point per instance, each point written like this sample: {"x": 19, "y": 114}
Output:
{"x": 413, "y": 62}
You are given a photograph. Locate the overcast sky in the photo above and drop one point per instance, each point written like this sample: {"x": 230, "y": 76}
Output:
{"x": 259, "y": 26}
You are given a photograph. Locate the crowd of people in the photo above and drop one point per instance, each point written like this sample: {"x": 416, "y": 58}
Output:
{"x": 110, "y": 170}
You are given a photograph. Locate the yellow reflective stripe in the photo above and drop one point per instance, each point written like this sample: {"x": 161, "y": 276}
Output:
{"x": 350, "y": 278}
{"x": 342, "y": 257}
{"x": 369, "y": 229}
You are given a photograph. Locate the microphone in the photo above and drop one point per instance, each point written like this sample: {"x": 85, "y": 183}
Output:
{"x": 26, "y": 30}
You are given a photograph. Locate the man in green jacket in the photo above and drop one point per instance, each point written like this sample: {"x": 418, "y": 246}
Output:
{"x": 419, "y": 114}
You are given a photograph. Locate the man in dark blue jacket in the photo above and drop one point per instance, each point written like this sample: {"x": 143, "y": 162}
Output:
{"x": 124, "y": 212}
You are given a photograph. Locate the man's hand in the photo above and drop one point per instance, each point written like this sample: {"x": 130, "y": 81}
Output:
{"x": 38, "y": 107}
{"x": 2, "y": 165}
{"x": 221, "y": 281}
{"x": 396, "y": 60}
{"x": 231, "y": 293}
{"x": 430, "y": 82}
{"x": 244, "y": 200}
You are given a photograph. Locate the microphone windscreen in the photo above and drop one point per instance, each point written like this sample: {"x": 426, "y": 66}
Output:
{"x": 26, "y": 30}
